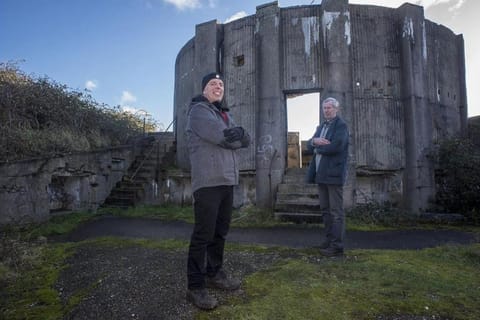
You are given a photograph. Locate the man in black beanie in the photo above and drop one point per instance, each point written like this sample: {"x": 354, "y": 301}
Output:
{"x": 212, "y": 138}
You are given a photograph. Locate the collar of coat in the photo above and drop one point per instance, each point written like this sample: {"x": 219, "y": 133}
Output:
{"x": 218, "y": 104}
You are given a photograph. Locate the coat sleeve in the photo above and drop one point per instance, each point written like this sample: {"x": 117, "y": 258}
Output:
{"x": 310, "y": 147}
{"x": 243, "y": 143}
{"x": 204, "y": 123}
{"x": 337, "y": 142}
{"x": 311, "y": 171}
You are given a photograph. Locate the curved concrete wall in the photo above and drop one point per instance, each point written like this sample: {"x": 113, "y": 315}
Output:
{"x": 399, "y": 78}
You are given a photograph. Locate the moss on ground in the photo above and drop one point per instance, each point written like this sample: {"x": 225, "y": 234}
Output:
{"x": 29, "y": 283}
{"x": 442, "y": 282}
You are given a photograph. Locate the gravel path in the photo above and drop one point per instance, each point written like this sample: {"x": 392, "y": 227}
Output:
{"x": 141, "y": 283}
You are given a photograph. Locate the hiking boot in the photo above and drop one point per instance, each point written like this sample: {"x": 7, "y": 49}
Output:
{"x": 331, "y": 252}
{"x": 221, "y": 281}
{"x": 201, "y": 299}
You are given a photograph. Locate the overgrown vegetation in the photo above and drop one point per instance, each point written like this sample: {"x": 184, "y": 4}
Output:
{"x": 40, "y": 117}
{"x": 458, "y": 178}
{"x": 375, "y": 215}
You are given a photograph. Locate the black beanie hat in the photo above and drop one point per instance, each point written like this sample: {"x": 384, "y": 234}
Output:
{"x": 210, "y": 76}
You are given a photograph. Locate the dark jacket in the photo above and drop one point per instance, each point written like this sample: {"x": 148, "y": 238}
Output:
{"x": 213, "y": 160}
{"x": 333, "y": 164}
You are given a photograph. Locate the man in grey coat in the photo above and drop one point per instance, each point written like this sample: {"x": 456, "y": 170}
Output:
{"x": 213, "y": 138}
{"x": 329, "y": 169}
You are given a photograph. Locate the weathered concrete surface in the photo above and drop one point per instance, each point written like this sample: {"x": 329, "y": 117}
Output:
{"x": 33, "y": 190}
{"x": 177, "y": 189}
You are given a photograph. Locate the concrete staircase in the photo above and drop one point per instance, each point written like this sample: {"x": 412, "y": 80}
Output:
{"x": 296, "y": 200}
{"x": 155, "y": 152}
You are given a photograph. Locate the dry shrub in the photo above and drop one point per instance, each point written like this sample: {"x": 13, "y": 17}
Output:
{"x": 39, "y": 117}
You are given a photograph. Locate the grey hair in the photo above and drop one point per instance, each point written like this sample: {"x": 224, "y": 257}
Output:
{"x": 332, "y": 101}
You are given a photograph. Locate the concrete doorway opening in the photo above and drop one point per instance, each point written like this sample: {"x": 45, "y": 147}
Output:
{"x": 303, "y": 116}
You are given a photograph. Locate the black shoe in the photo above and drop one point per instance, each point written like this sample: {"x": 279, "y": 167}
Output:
{"x": 323, "y": 245}
{"x": 221, "y": 281}
{"x": 331, "y": 252}
{"x": 201, "y": 299}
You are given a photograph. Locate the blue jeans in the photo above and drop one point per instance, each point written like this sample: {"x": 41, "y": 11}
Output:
{"x": 213, "y": 213}
{"x": 331, "y": 206}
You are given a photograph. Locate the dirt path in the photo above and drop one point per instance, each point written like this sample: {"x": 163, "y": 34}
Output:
{"x": 289, "y": 236}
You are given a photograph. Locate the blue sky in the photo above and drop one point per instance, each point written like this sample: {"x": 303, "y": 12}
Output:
{"x": 124, "y": 51}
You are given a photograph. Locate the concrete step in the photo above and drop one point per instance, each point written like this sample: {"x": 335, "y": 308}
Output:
{"x": 294, "y": 171}
{"x": 119, "y": 202}
{"x": 130, "y": 191}
{"x": 297, "y": 201}
{"x": 127, "y": 184}
{"x": 296, "y": 207}
{"x": 126, "y": 193}
{"x": 146, "y": 172}
{"x": 297, "y": 188}
{"x": 294, "y": 178}
{"x": 299, "y": 217}
{"x": 140, "y": 179}
{"x": 152, "y": 162}
{"x": 293, "y": 198}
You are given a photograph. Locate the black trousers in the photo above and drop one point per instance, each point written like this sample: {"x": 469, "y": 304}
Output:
{"x": 213, "y": 213}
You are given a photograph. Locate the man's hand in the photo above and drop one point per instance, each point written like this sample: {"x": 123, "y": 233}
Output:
{"x": 233, "y": 134}
{"x": 320, "y": 141}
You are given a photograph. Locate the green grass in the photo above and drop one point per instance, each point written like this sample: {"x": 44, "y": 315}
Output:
{"x": 59, "y": 224}
{"x": 168, "y": 212}
{"x": 440, "y": 282}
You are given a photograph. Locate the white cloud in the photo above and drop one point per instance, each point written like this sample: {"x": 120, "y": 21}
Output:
{"x": 396, "y": 3}
{"x": 212, "y": 3}
{"x": 127, "y": 98}
{"x": 457, "y": 5}
{"x": 140, "y": 113}
{"x": 431, "y": 3}
{"x": 184, "y": 4}
{"x": 90, "y": 84}
{"x": 236, "y": 16}
{"x": 129, "y": 109}
{"x": 384, "y": 3}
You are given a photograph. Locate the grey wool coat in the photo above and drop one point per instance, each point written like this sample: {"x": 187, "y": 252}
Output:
{"x": 213, "y": 160}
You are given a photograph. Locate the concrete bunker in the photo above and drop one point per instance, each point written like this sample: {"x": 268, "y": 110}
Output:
{"x": 399, "y": 77}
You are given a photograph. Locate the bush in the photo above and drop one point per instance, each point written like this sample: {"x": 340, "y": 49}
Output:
{"x": 385, "y": 214}
{"x": 457, "y": 178}
{"x": 39, "y": 117}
